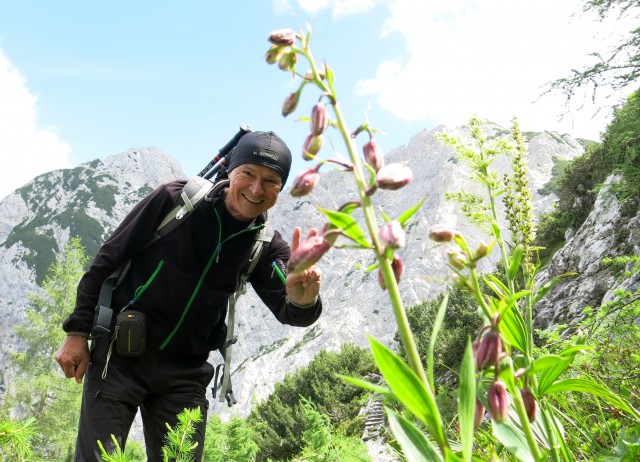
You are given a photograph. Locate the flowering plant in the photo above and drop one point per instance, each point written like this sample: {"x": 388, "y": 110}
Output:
{"x": 500, "y": 371}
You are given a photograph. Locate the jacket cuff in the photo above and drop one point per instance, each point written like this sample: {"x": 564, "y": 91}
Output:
{"x": 303, "y": 307}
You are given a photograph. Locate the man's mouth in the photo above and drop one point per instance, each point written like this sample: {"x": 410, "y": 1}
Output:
{"x": 252, "y": 200}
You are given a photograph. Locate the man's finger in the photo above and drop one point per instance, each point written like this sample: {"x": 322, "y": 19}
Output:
{"x": 295, "y": 239}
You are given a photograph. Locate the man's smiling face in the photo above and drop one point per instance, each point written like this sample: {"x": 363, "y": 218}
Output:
{"x": 253, "y": 189}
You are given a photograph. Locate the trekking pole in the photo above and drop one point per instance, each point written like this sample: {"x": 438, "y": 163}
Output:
{"x": 218, "y": 161}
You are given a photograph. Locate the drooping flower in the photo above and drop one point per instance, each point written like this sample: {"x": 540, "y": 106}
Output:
{"x": 442, "y": 233}
{"x": 283, "y": 37}
{"x": 373, "y": 154}
{"x": 273, "y": 54}
{"x": 393, "y": 176}
{"x": 288, "y": 61}
{"x": 311, "y": 147}
{"x": 308, "y": 253}
{"x": 392, "y": 235}
{"x": 479, "y": 415}
{"x": 530, "y": 404}
{"x": 398, "y": 268}
{"x": 497, "y": 401}
{"x": 305, "y": 182}
{"x": 319, "y": 119}
{"x": 489, "y": 350}
{"x": 290, "y": 103}
{"x": 457, "y": 258}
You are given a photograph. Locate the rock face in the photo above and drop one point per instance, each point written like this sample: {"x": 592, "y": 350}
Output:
{"x": 607, "y": 232}
{"x": 90, "y": 200}
{"x": 37, "y": 220}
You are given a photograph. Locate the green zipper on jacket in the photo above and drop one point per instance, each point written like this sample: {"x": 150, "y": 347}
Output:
{"x": 214, "y": 256}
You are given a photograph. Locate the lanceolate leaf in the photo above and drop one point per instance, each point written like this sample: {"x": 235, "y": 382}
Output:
{"x": 514, "y": 262}
{"x": 410, "y": 212}
{"x": 348, "y": 225}
{"x": 513, "y": 328}
{"x": 513, "y": 439}
{"x": 437, "y": 324}
{"x": 408, "y": 388}
{"x": 415, "y": 445}
{"x": 550, "y": 374}
{"x": 367, "y": 385}
{"x": 467, "y": 402}
{"x": 596, "y": 389}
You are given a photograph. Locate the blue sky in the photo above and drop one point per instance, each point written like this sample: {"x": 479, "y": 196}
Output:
{"x": 81, "y": 80}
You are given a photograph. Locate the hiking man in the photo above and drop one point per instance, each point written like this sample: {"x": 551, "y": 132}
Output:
{"x": 176, "y": 289}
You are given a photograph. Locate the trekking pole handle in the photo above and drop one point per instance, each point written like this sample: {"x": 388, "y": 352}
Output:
{"x": 223, "y": 152}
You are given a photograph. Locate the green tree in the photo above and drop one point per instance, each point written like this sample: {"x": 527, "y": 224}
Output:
{"x": 325, "y": 443}
{"x": 16, "y": 439}
{"x": 279, "y": 421}
{"x": 229, "y": 442}
{"x": 461, "y": 321}
{"x": 38, "y": 390}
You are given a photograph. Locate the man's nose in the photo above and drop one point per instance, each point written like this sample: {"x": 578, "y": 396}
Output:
{"x": 256, "y": 186}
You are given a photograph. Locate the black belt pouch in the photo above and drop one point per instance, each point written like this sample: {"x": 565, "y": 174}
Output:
{"x": 131, "y": 338}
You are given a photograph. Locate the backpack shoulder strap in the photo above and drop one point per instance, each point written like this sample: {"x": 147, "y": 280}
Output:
{"x": 191, "y": 196}
{"x": 261, "y": 242}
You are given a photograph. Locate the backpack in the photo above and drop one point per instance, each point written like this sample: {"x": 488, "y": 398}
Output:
{"x": 192, "y": 194}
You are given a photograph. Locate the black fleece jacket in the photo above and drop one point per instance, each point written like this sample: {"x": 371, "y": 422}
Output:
{"x": 209, "y": 237}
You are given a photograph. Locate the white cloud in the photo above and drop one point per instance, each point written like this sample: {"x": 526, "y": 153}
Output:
{"x": 26, "y": 149}
{"x": 492, "y": 57}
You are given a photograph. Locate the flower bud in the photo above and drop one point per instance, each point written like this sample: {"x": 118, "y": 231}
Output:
{"x": 305, "y": 182}
{"x": 398, "y": 268}
{"x": 459, "y": 281}
{"x": 290, "y": 104}
{"x": 330, "y": 232}
{"x": 319, "y": 119}
{"x": 530, "y": 404}
{"x": 284, "y": 37}
{"x": 393, "y": 176}
{"x": 392, "y": 235}
{"x": 373, "y": 154}
{"x": 288, "y": 61}
{"x": 457, "y": 258}
{"x": 441, "y": 233}
{"x": 482, "y": 250}
{"x": 497, "y": 401}
{"x": 489, "y": 350}
{"x": 311, "y": 146}
{"x": 273, "y": 54}
{"x": 308, "y": 253}
{"x": 479, "y": 415}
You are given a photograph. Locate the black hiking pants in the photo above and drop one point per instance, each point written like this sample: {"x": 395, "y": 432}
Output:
{"x": 160, "y": 385}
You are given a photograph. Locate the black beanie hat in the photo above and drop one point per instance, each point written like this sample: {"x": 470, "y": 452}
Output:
{"x": 262, "y": 148}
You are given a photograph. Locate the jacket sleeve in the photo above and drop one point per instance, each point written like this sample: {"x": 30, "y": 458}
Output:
{"x": 272, "y": 291}
{"x": 133, "y": 233}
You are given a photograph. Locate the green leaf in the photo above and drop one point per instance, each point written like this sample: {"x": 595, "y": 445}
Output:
{"x": 514, "y": 329}
{"x": 514, "y": 440}
{"x": 514, "y": 262}
{"x": 415, "y": 445}
{"x": 467, "y": 401}
{"x": 348, "y": 225}
{"x": 408, "y": 388}
{"x": 496, "y": 285}
{"x": 367, "y": 385}
{"x": 410, "y": 212}
{"x": 550, "y": 373}
{"x": 595, "y": 389}
{"x": 437, "y": 324}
